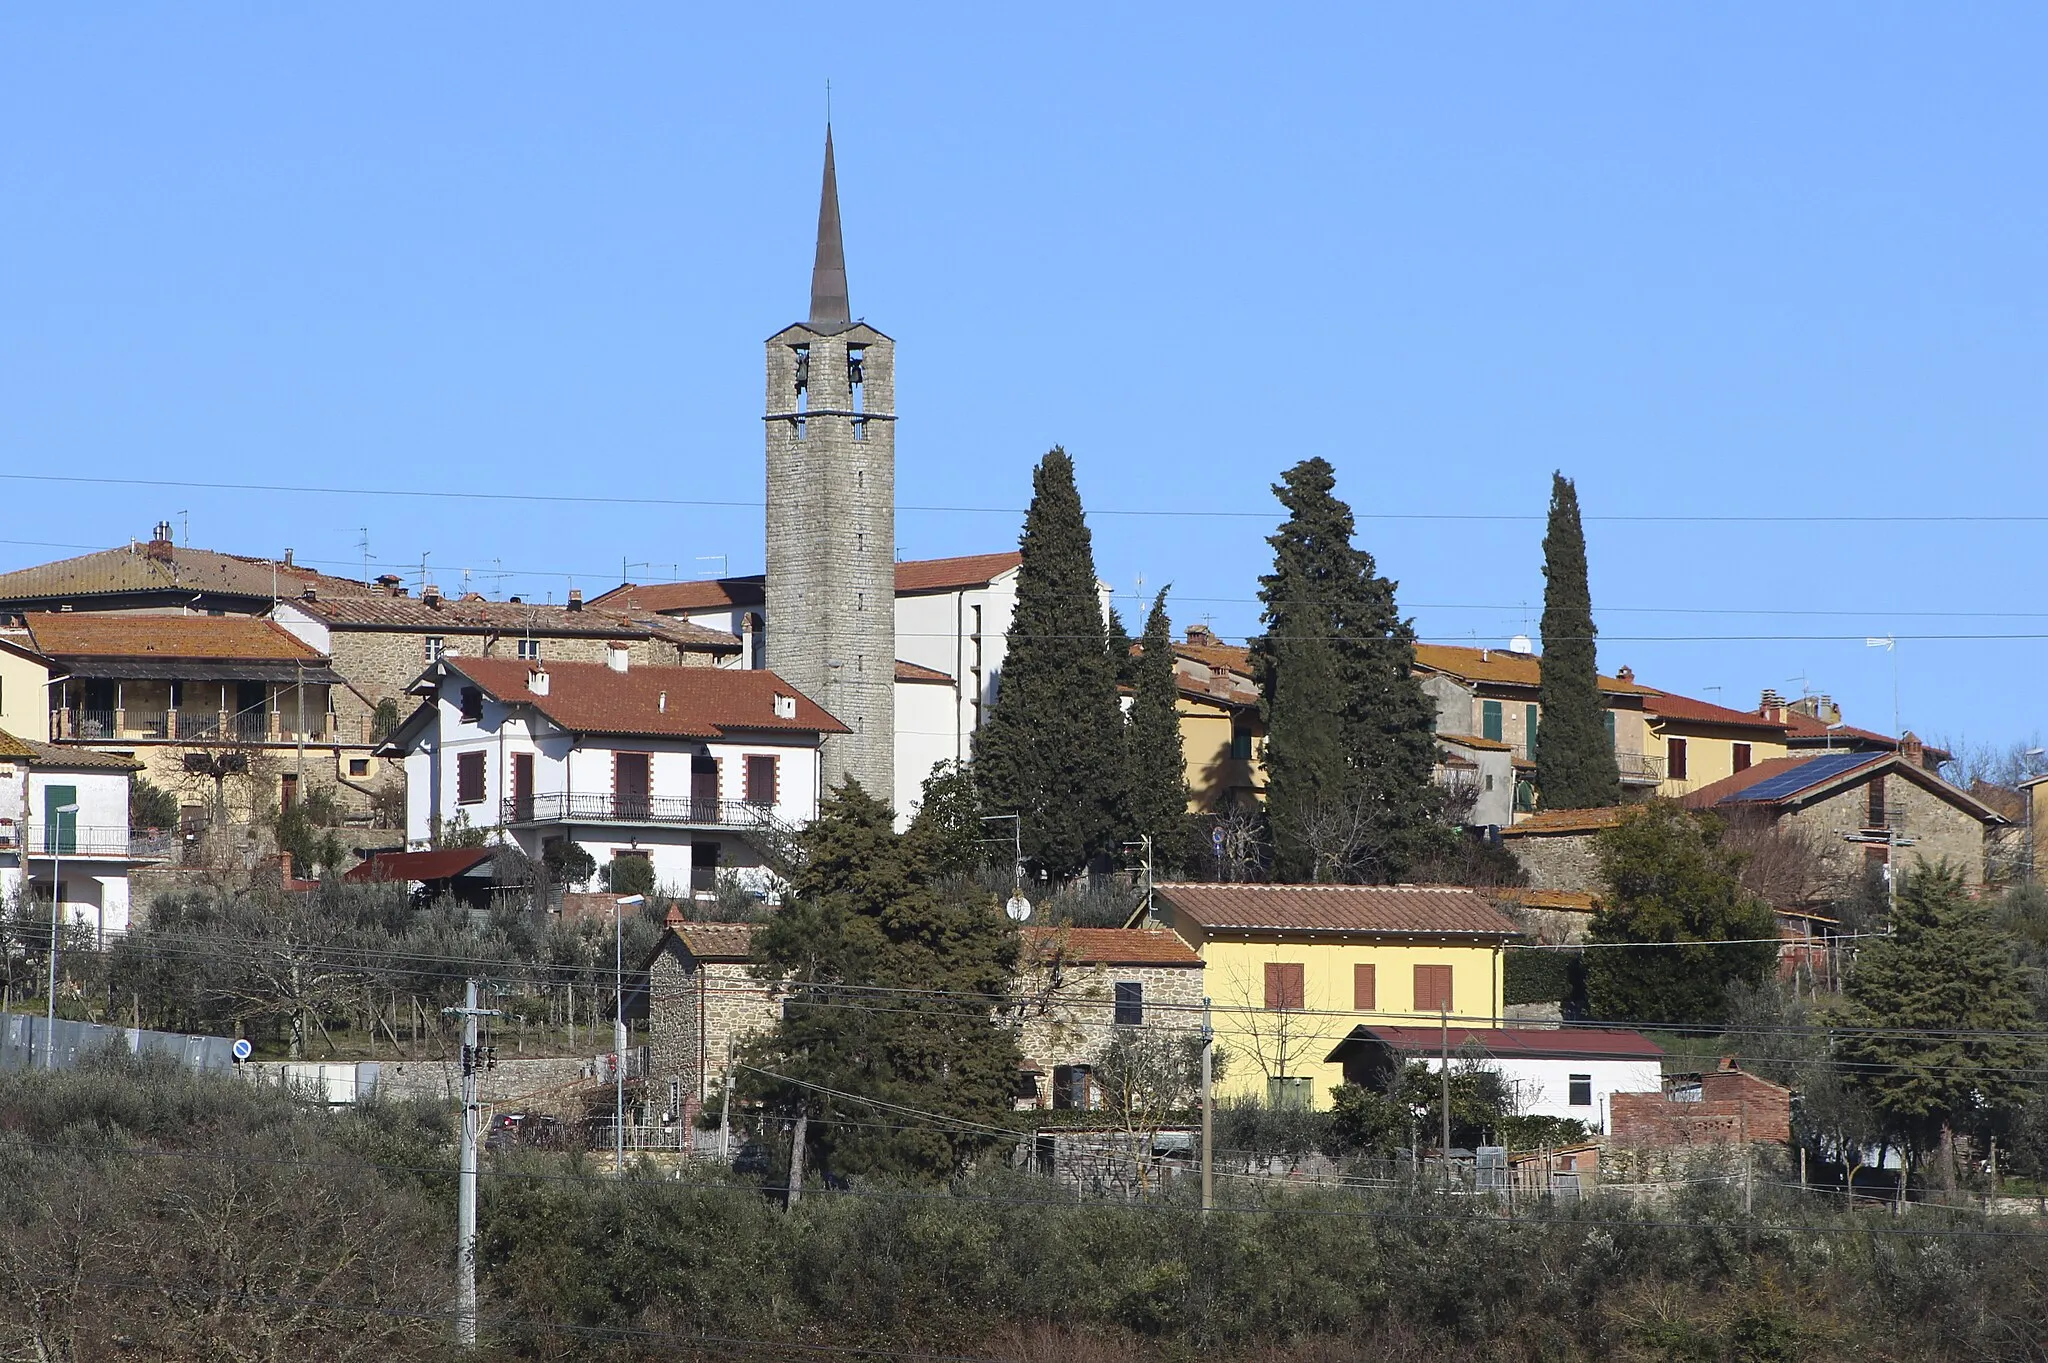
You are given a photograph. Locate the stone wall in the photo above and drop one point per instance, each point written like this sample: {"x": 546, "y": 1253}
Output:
{"x": 697, "y": 1008}
{"x": 1936, "y": 828}
{"x": 1070, "y": 1020}
{"x": 1556, "y": 861}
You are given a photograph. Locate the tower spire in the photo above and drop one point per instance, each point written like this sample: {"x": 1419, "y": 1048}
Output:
{"x": 828, "y": 275}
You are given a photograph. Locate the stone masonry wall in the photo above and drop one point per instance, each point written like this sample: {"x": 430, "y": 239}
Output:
{"x": 1936, "y": 828}
{"x": 1071, "y": 1020}
{"x": 698, "y": 1007}
{"x": 1558, "y": 861}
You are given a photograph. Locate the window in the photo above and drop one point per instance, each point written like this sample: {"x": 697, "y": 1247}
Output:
{"x": 1529, "y": 730}
{"x": 434, "y": 648}
{"x": 1489, "y": 720}
{"x": 1874, "y": 793}
{"x": 1675, "y": 759}
{"x": 1290, "y": 1093}
{"x": 1364, "y": 988}
{"x": 761, "y": 779}
{"x": 1581, "y": 1090}
{"x": 1432, "y": 989}
{"x": 1283, "y": 984}
{"x": 1612, "y": 742}
{"x": 1240, "y": 743}
{"x": 1070, "y": 1086}
{"x": 472, "y": 705}
{"x": 288, "y": 791}
{"x": 703, "y": 867}
{"x": 1130, "y": 1003}
{"x": 1489, "y": 780}
{"x": 632, "y": 784}
{"x": 359, "y": 766}
{"x": 1742, "y": 757}
{"x": 529, "y": 649}
{"x": 469, "y": 778}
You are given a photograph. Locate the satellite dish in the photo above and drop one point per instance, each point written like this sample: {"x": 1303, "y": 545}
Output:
{"x": 1018, "y": 907}
{"x": 242, "y": 1050}
{"x": 1521, "y": 643}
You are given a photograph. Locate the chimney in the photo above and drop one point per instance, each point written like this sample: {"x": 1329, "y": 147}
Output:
{"x": 514, "y": 601}
{"x": 309, "y": 593}
{"x": 1485, "y": 655}
{"x": 575, "y": 598}
{"x": 389, "y": 582}
{"x": 1728, "y": 1065}
{"x": 616, "y": 656}
{"x": 1912, "y": 749}
{"x": 537, "y": 681}
{"x": 1201, "y": 635}
{"x": 159, "y": 546}
{"x": 431, "y": 594}
{"x": 661, "y": 703}
{"x": 1627, "y": 675}
{"x": 287, "y": 558}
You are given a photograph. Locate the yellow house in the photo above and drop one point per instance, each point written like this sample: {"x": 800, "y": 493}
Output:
{"x": 1700, "y": 743}
{"x": 1290, "y": 970}
{"x": 1221, "y": 735}
{"x": 24, "y": 697}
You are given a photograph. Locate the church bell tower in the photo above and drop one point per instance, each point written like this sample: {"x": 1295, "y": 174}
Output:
{"x": 831, "y": 590}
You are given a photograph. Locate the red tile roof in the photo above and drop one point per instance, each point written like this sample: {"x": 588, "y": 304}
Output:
{"x": 1566, "y": 821}
{"x": 1521, "y": 1043}
{"x": 1108, "y": 946}
{"x": 713, "y": 941}
{"x": 1686, "y": 710}
{"x": 912, "y": 672}
{"x": 478, "y": 616}
{"x": 418, "y": 865}
{"x": 1476, "y": 743}
{"x": 668, "y": 702}
{"x": 170, "y": 571}
{"x": 1804, "y": 729}
{"x": 1500, "y": 667}
{"x": 1218, "y": 657}
{"x": 661, "y": 598}
{"x": 949, "y": 574}
{"x": 135, "y": 634}
{"x": 1400, "y": 909}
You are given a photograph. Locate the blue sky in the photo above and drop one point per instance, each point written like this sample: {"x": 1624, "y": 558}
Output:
{"x": 1730, "y": 262}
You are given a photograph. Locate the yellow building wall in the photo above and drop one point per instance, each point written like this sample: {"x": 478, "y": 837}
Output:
{"x": 1709, "y": 754}
{"x": 1211, "y": 771}
{"x": 24, "y": 702}
{"x": 1268, "y": 1043}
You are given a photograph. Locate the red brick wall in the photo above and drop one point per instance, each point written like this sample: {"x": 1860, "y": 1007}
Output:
{"x": 1731, "y": 1106}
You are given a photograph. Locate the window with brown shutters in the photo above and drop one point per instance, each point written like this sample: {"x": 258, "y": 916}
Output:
{"x": 1674, "y": 764}
{"x": 1432, "y": 989}
{"x": 469, "y": 778}
{"x": 761, "y": 779}
{"x": 1364, "y": 988}
{"x": 1874, "y": 815}
{"x": 1283, "y": 984}
{"x": 1742, "y": 757}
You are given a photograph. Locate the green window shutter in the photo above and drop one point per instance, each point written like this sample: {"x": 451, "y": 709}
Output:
{"x": 1489, "y": 720}
{"x": 1529, "y": 728}
{"x": 1611, "y": 741}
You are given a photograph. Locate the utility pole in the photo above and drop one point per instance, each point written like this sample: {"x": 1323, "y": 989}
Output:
{"x": 796, "y": 1159}
{"x": 1208, "y": 1111}
{"x": 1445, "y": 1077}
{"x": 725, "y": 1108}
{"x": 619, "y": 906}
{"x": 465, "y": 1201}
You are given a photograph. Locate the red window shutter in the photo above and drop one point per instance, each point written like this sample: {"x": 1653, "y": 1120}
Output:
{"x": 1364, "y": 988}
{"x": 1432, "y": 988}
{"x": 1676, "y": 767}
{"x": 1283, "y": 984}
{"x": 762, "y": 777}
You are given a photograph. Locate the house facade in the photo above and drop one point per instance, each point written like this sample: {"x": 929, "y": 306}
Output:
{"x": 1700, "y": 743}
{"x": 64, "y": 821}
{"x": 1292, "y": 969}
{"x": 698, "y": 770}
{"x": 1565, "y": 1072}
{"x": 1222, "y": 734}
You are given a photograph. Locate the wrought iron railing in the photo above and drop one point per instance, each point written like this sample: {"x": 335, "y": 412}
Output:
{"x": 637, "y": 809}
{"x": 88, "y": 840}
{"x": 1642, "y": 768}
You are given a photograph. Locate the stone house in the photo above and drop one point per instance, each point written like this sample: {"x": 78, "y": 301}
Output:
{"x": 161, "y": 577}
{"x": 1077, "y": 986}
{"x": 702, "y": 1004}
{"x": 1863, "y": 811}
{"x": 1555, "y": 847}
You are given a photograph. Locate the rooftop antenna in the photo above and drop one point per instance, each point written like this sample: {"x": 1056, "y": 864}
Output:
{"x": 724, "y": 564}
{"x": 363, "y": 546}
{"x": 185, "y": 535}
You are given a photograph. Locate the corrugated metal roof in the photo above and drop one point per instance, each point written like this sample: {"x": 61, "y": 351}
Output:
{"x": 438, "y": 865}
{"x": 1401, "y": 909}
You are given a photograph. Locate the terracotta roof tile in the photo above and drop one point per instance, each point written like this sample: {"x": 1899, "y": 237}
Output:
{"x": 137, "y": 634}
{"x": 700, "y": 702}
{"x": 1566, "y": 821}
{"x": 1567, "y": 901}
{"x": 660, "y": 598}
{"x": 435, "y": 865}
{"x": 1401, "y": 909}
{"x": 1108, "y": 946}
{"x": 1476, "y": 743}
{"x": 465, "y": 616}
{"x": 1500, "y": 667}
{"x": 912, "y": 672}
{"x": 713, "y": 941}
{"x": 949, "y": 574}
{"x": 1220, "y": 657}
{"x": 1686, "y": 710}
{"x": 13, "y": 748}
{"x": 168, "y": 569}
{"x": 64, "y": 755}
{"x": 1521, "y": 1043}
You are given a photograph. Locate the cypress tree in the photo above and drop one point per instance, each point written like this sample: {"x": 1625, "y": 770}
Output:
{"x": 1350, "y": 746}
{"x": 1575, "y": 767}
{"x": 868, "y": 914}
{"x": 1158, "y": 764}
{"x": 1052, "y": 750}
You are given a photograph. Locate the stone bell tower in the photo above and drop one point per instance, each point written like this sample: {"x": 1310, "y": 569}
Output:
{"x": 831, "y": 591}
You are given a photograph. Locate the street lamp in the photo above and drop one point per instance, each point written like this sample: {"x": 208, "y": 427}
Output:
{"x": 631, "y": 901}
{"x": 56, "y": 906}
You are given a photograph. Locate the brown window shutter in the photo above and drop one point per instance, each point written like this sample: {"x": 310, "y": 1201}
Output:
{"x": 1275, "y": 995}
{"x": 1283, "y": 984}
{"x": 1364, "y": 988}
{"x": 1432, "y": 988}
{"x": 469, "y": 778}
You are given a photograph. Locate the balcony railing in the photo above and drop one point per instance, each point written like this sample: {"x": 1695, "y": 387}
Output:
{"x": 87, "y": 840}
{"x": 1644, "y": 769}
{"x": 628, "y": 809}
{"x": 187, "y": 724}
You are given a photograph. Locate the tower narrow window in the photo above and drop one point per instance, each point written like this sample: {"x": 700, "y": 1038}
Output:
{"x": 856, "y": 375}
{"x": 803, "y": 376}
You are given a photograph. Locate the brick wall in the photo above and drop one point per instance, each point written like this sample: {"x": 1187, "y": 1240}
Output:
{"x": 1732, "y": 1107}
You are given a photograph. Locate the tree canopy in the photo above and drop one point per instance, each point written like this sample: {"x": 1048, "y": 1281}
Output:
{"x": 1350, "y": 747}
{"x": 1667, "y": 879}
{"x": 1575, "y": 766}
{"x": 867, "y": 917}
{"x": 1052, "y": 750}
{"x": 1158, "y": 763}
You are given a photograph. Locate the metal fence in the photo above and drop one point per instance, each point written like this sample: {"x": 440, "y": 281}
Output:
{"x": 26, "y": 1043}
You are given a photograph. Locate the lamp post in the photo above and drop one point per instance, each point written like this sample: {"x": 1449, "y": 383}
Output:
{"x": 56, "y": 839}
{"x": 631, "y": 901}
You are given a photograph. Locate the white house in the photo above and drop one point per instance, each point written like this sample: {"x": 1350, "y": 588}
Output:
{"x": 64, "y": 813}
{"x": 952, "y": 633}
{"x": 697, "y": 769}
{"x": 1549, "y": 1072}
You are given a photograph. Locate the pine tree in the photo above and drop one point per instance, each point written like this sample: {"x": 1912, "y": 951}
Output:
{"x": 1942, "y": 998}
{"x": 1052, "y": 749}
{"x": 1575, "y": 767}
{"x": 866, "y": 917}
{"x": 1350, "y": 745}
{"x": 1158, "y": 764}
{"x": 1667, "y": 878}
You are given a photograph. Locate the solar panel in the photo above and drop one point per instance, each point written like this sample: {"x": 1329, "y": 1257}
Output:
{"x": 1806, "y": 774}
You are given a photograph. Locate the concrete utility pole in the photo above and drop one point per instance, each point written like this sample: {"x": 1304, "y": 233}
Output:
{"x": 725, "y": 1108}
{"x": 1208, "y": 1111}
{"x": 1445, "y": 1078}
{"x": 465, "y": 1201}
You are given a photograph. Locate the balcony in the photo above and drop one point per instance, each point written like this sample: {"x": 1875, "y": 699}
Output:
{"x": 108, "y": 842}
{"x": 683, "y": 812}
{"x": 1640, "y": 769}
{"x": 187, "y": 724}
